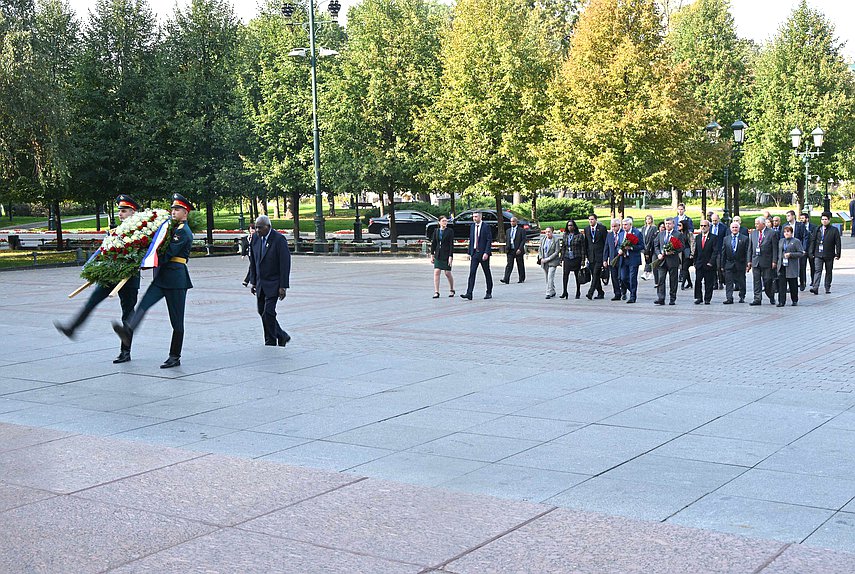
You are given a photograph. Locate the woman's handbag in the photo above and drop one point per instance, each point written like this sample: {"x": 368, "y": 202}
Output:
{"x": 584, "y": 275}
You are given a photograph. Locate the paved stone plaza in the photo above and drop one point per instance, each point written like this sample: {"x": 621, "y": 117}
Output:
{"x": 392, "y": 435}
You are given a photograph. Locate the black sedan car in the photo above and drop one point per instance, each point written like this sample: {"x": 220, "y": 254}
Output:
{"x": 463, "y": 222}
{"x": 408, "y": 222}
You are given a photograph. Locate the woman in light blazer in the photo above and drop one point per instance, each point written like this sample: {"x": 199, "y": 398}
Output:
{"x": 441, "y": 254}
{"x": 790, "y": 251}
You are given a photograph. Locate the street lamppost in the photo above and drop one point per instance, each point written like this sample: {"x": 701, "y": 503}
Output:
{"x": 809, "y": 152}
{"x": 288, "y": 10}
{"x": 713, "y": 130}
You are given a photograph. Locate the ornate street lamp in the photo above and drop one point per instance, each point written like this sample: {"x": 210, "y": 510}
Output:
{"x": 713, "y": 130}
{"x": 806, "y": 154}
{"x": 313, "y": 54}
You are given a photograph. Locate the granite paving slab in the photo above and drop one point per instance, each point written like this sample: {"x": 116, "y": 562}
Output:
{"x": 14, "y": 496}
{"x": 717, "y": 449}
{"x": 800, "y": 559}
{"x": 328, "y": 455}
{"x": 586, "y": 543}
{"x": 217, "y": 489}
{"x": 17, "y": 436}
{"x": 389, "y": 435}
{"x": 416, "y": 468}
{"x": 838, "y": 532}
{"x": 79, "y": 462}
{"x": 820, "y": 492}
{"x": 231, "y": 551}
{"x": 173, "y": 433}
{"x": 396, "y": 522}
{"x": 66, "y": 534}
{"x": 245, "y": 443}
{"x": 478, "y": 447}
{"x": 515, "y": 482}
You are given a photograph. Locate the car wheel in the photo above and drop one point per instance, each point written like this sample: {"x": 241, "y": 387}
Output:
{"x": 385, "y": 232}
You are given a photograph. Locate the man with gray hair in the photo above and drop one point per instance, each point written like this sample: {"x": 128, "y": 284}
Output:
{"x": 269, "y": 274}
{"x": 763, "y": 255}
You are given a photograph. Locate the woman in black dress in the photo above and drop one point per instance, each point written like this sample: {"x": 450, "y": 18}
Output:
{"x": 572, "y": 255}
{"x": 441, "y": 253}
{"x": 688, "y": 256}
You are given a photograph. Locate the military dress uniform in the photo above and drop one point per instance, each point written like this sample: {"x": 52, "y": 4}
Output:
{"x": 171, "y": 282}
{"x": 127, "y": 297}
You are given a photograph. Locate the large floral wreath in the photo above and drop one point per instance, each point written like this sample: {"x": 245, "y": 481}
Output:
{"x": 122, "y": 251}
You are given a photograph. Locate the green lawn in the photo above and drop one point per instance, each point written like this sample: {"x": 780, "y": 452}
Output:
{"x": 24, "y": 258}
{"x": 18, "y": 220}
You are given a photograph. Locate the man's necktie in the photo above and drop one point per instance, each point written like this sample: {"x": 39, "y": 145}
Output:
{"x": 733, "y": 244}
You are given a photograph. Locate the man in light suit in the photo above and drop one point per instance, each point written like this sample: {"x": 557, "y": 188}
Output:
{"x": 807, "y": 261}
{"x": 515, "y": 249}
{"x": 480, "y": 248}
{"x": 610, "y": 252}
{"x": 630, "y": 261}
{"x": 763, "y": 250}
{"x": 548, "y": 257}
{"x": 825, "y": 249}
{"x": 706, "y": 263}
{"x": 735, "y": 262}
{"x": 669, "y": 263}
{"x": 595, "y": 236}
{"x": 269, "y": 275}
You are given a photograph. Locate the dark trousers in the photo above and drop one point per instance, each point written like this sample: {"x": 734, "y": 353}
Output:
{"x": 127, "y": 297}
{"x": 175, "y": 302}
{"x": 819, "y": 263}
{"x": 734, "y": 280}
{"x": 763, "y": 281}
{"x": 671, "y": 273}
{"x": 706, "y": 275}
{"x": 614, "y": 274}
{"x": 520, "y": 261}
{"x": 568, "y": 269}
{"x": 478, "y": 259}
{"x": 596, "y": 279}
{"x": 784, "y": 283}
{"x": 267, "y": 310}
{"x": 685, "y": 275}
{"x": 629, "y": 280}
{"x": 803, "y": 275}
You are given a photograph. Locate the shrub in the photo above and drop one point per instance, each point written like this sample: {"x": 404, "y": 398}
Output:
{"x": 558, "y": 209}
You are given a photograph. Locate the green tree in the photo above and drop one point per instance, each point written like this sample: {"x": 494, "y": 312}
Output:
{"x": 623, "y": 118}
{"x": 205, "y": 123}
{"x": 802, "y": 81}
{"x": 703, "y": 36}
{"x": 113, "y": 82}
{"x": 388, "y": 76}
{"x": 498, "y": 58}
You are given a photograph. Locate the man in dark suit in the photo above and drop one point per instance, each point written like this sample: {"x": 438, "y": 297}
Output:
{"x": 669, "y": 262}
{"x": 706, "y": 262}
{"x": 269, "y": 275}
{"x": 515, "y": 249}
{"x": 630, "y": 261}
{"x": 763, "y": 250}
{"x": 718, "y": 230}
{"x": 480, "y": 248}
{"x": 610, "y": 252}
{"x": 127, "y": 294}
{"x": 595, "y": 236}
{"x": 826, "y": 248}
{"x": 735, "y": 262}
{"x": 171, "y": 282}
{"x": 807, "y": 261}
{"x": 648, "y": 233}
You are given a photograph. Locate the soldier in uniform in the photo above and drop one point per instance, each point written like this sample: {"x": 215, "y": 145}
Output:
{"x": 171, "y": 282}
{"x": 127, "y": 294}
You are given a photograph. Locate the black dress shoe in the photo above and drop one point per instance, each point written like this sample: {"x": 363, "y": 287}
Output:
{"x": 563, "y": 296}
{"x": 64, "y": 330}
{"x": 755, "y": 303}
{"x": 623, "y": 297}
{"x": 466, "y": 296}
{"x": 603, "y": 296}
{"x": 728, "y": 302}
{"x": 781, "y": 305}
{"x": 171, "y": 362}
{"x": 827, "y": 291}
{"x": 123, "y": 357}
{"x": 795, "y": 303}
{"x": 801, "y": 287}
{"x": 123, "y": 332}
{"x": 521, "y": 281}
{"x": 707, "y": 302}
{"x": 505, "y": 281}
{"x": 577, "y": 295}
{"x": 672, "y": 302}
{"x": 284, "y": 340}
{"x": 742, "y": 300}
{"x": 488, "y": 296}
{"x": 698, "y": 301}
{"x": 659, "y": 302}
{"x": 632, "y": 300}
{"x": 814, "y": 291}
{"x": 550, "y": 296}
{"x": 616, "y": 298}
{"x": 589, "y": 296}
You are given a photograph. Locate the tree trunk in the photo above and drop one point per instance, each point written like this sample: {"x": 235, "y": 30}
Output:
{"x": 735, "y": 205}
{"x": 500, "y": 236}
{"x": 393, "y": 227}
{"x": 331, "y": 199}
{"x": 277, "y": 212}
{"x": 295, "y": 214}
{"x": 800, "y": 193}
{"x": 612, "y": 202}
{"x": 517, "y": 198}
{"x": 209, "y": 223}
{"x": 58, "y": 220}
{"x": 534, "y": 207}
{"x": 97, "y": 216}
{"x": 264, "y": 204}
{"x": 253, "y": 208}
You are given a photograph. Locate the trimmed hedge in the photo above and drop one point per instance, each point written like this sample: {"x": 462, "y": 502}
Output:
{"x": 558, "y": 209}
